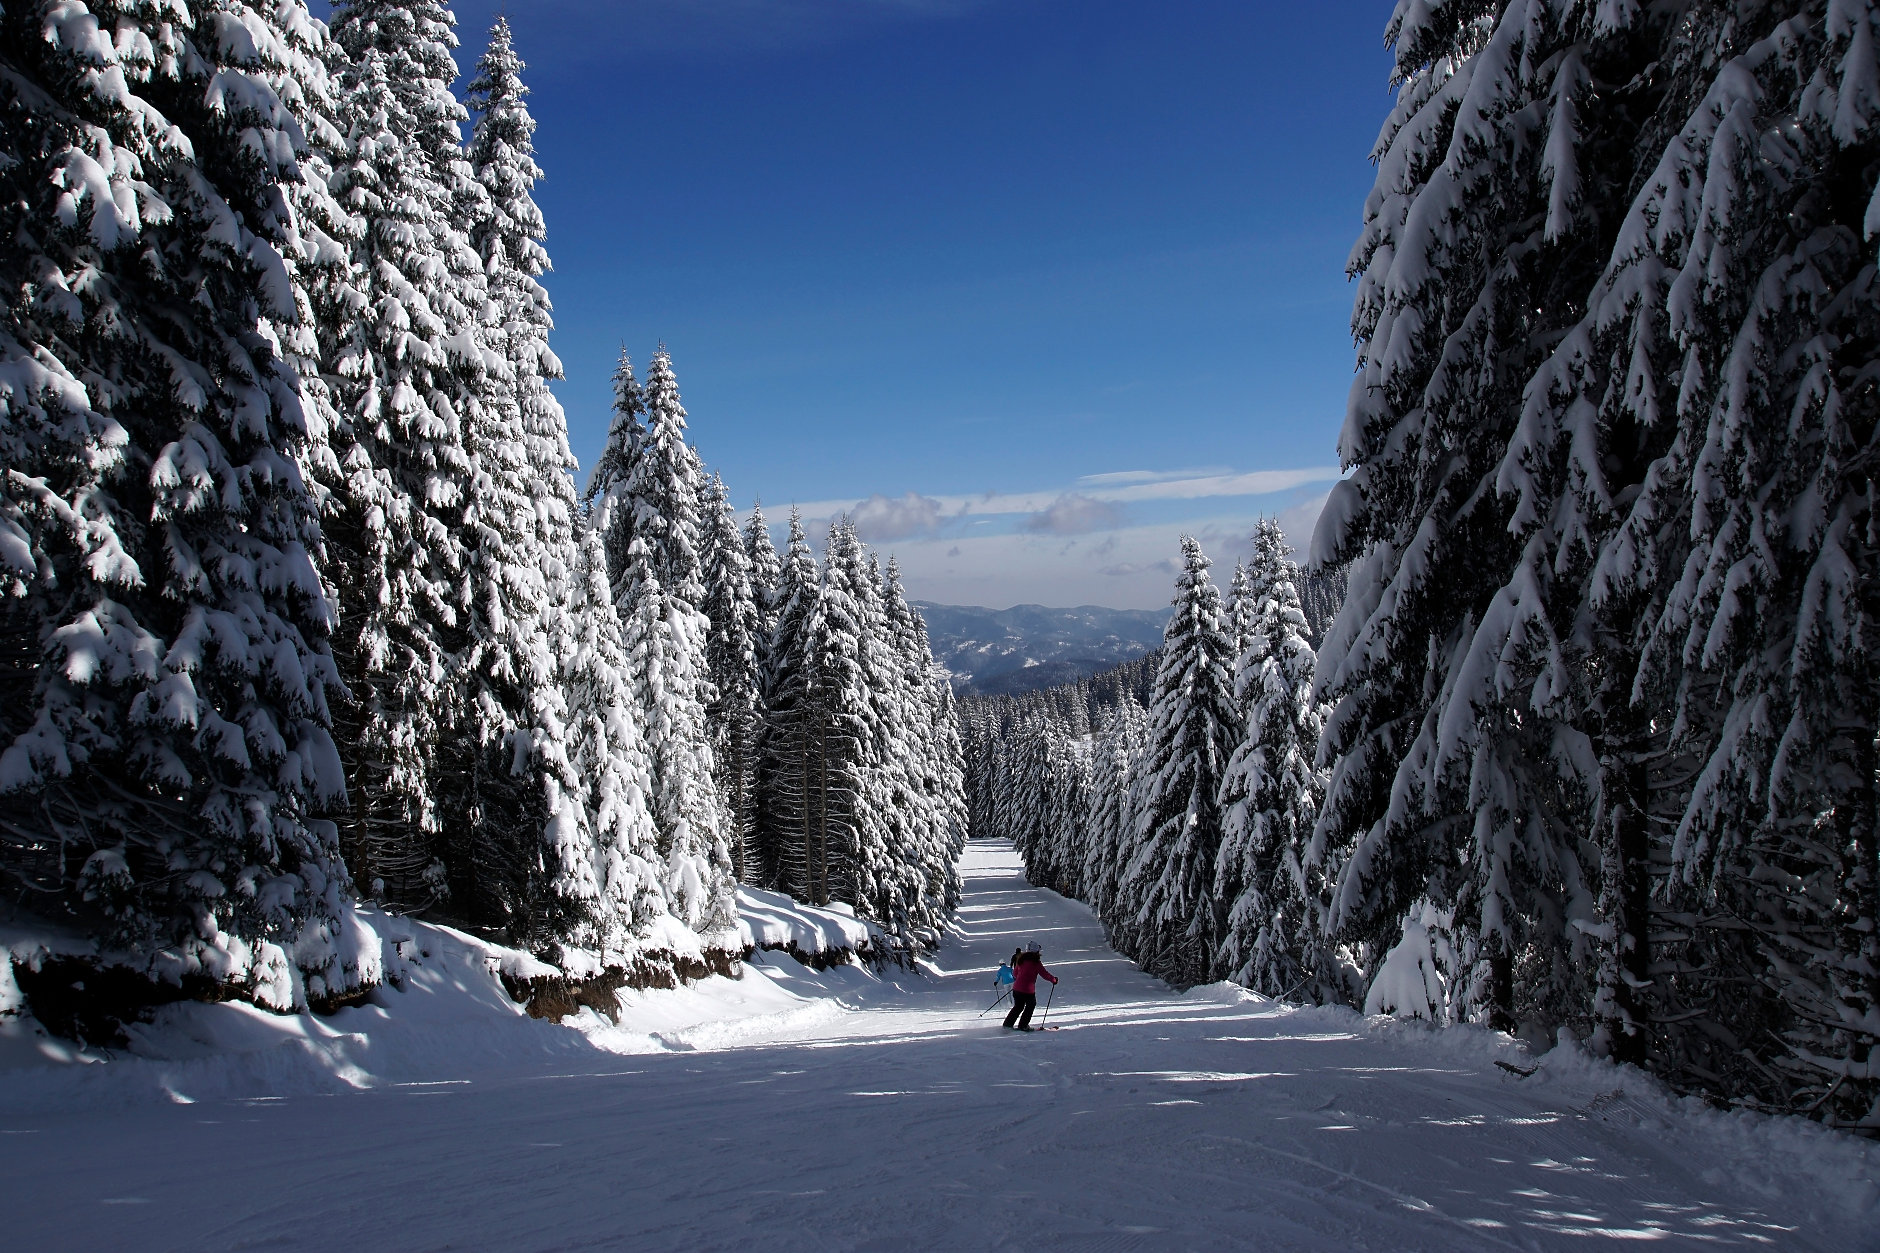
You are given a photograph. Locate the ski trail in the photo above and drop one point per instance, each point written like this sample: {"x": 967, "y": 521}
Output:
{"x": 897, "y": 1119}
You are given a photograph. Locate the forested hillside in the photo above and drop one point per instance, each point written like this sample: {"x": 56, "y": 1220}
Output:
{"x": 306, "y": 624}
{"x": 1591, "y": 744}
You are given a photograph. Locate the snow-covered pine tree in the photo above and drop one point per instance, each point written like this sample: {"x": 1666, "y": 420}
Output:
{"x": 167, "y": 671}
{"x": 790, "y": 743}
{"x": 626, "y": 875}
{"x": 928, "y": 747}
{"x": 1266, "y": 892}
{"x": 653, "y": 517}
{"x": 901, "y": 814}
{"x": 1067, "y": 809}
{"x": 950, "y": 807}
{"x": 1241, "y": 608}
{"x": 296, "y": 55}
{"x": 402, "y": 355}
{"x": 1194, "y": 725}
{"x": 509, "y": 795}
{"x": 1119, "y": 751}
{"x": 1026, "y": 793}
{"x": 1321, "y": 595}
{"x": 1711, "y": 379}
{"x": 731, "y": 659}
{"x": 1650, "y": 200}
{"x": 981, "y": 745}
{"x": 1453, "y": 773}
{"x": 851, "y": 853}
{"x": 766, "y": 575}
{"x": 611, "y": 473}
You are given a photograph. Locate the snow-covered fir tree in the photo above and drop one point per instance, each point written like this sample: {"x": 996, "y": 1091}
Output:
{"x": 1271, "y": 891}
{"x": 849, "y": 849}
{"x": 766, "y": 575}
{"x": 927, "y": 746}
{"x": 731, "y": 658}
{"x": 617, "y": 861}
{"x": 1242, "y": 605}
{"x": 790, "y": 741}
{"x": 508, "y": 787}
{"x": 1613, "y": 604}
{"x": 1194, "y": 725}
{"x": 402, "y": 354}
{"x": 615, "y": 467}
{"x": 168, "y": 680}
{"x": 651, "y": 517}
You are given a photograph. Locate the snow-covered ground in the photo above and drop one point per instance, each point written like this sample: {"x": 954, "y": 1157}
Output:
{"x": 840, "y": 1111}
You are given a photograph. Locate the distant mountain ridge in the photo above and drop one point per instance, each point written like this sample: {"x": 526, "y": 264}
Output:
{"x": 1001, "y": 652}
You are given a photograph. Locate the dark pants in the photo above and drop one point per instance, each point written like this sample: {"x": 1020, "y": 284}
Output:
{"x": 1022, "y": 1005}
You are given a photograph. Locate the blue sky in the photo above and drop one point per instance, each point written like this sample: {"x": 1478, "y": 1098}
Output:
{"x": 1032, "y": 286}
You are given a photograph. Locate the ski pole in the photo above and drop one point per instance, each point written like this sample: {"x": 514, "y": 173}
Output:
{"x": 1047, "y": 1006}
{"x": 988, "y": 1009}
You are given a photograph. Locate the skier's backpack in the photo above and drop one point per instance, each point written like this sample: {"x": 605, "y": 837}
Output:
{"x": 1005, "y": 975}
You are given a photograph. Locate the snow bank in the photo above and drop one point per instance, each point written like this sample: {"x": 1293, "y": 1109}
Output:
{"x": 446, "y": 1011}
{"x": 818, "y": 937}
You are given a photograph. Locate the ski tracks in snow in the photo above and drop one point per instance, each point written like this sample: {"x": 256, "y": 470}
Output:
{"x": 897, "y": 1119}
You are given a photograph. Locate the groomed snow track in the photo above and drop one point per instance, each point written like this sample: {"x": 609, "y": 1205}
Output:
{"x": 1153, "y": 1120}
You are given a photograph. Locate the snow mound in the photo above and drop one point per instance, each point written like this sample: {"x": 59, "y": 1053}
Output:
{"x": 770, "y": 920}
{"x": 1224, "y": 993}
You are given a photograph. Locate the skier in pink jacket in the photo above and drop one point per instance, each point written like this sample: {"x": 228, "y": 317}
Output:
{"x": 1025, "y": 975}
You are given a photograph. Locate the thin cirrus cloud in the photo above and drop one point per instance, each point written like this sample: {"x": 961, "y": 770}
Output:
{"x": 1120, "y": 488}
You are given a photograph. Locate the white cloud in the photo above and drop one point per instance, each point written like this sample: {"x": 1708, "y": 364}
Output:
{"x": 1075, "y": 514}
{"x": 1124, "y": 569}
{"x": 1024, "y": 547}
{"x": 1255, "y": 483}
{"x": 1116, "y": 478}
{"x": 1298, "y": 522}
{"x": 1140, "y": 485}
{"x": 881, "y": 519}
{"x": 1133, "y": 568}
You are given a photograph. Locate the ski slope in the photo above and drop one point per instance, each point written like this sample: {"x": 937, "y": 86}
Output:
{"x": 853, "y": 1114}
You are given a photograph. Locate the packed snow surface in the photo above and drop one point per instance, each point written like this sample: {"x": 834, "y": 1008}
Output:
{"x": 840, "y": 1111}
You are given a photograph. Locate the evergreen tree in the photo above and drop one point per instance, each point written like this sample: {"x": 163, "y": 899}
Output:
{"x": 1243, "y": 604}
{"x": 1613, "y": 271}
{"x": 299, "y": 63}
{"x": 731, "y": 657}
{"x": 168, "y": 674}
{"x": 616, "y": 861}
{"x": 1113, "y": 820}
{"x": 790, "y": 743}
{"x": 1194, "y": 723}
{"x": 1733, "y": 604}
{"x": 1268, "y": 896}
{"x": 507, "y": 781}
{"x": 766, "y": 575}
{"x": 402, "y": 356}
{"x": 926, "y": 746}
{"x": 615, "y": 467}
{"x": 653, "y": 517}
{"x": 849, "y": 849}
